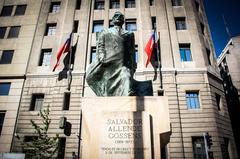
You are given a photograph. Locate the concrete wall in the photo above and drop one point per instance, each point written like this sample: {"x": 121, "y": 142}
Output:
{"x": 15, "y": 72}
{"x": 232, "y": 58}
{"x": 10, "y": 104}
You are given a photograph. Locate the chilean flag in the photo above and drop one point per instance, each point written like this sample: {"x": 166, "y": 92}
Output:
{"x": 149, "y": 47}
{"x": 64, "y": 48}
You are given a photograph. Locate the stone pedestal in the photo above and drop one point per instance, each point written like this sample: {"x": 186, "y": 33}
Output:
{"x": 124, "y": 127}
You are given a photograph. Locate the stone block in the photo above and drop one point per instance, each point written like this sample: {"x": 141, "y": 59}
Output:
{"x": 124, "y": 127}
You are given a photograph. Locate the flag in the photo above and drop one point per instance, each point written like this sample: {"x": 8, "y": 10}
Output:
{"x": 149, "y": 47}
{"x": 63, "y": 49}
{"x": 63, "y": 74}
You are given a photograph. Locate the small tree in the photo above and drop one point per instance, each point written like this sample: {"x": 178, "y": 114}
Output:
{"x": 42, "y": 146}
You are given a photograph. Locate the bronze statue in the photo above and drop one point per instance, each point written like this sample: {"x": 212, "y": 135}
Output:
{"x": 111, "y": 74}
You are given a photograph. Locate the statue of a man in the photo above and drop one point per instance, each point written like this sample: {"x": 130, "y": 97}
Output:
{"x": 111, "y": 74}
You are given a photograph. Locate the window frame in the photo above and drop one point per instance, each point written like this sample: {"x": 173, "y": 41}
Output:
{"x": 8, "y": 61}
{"x": 180, "y": 23}
{"x": 66, "y": 100}
{"x": 196, "y": 142}
{"x": 62, "y": 148}
{"x": 20, "y": 12}
{"x": 154, "y": 22}
{"x": 75, "y": 26}
{"x": 110, "y": 24}
{"x": 2, "y": 11}
{"x": 3, "y": 86}
{"x": 130, "y": 4}
{"x": 78, "y": 4}
{"x": 3, "y": 32}
{"x": 151, "y": 2}
{"x": 51, "y": 29}
{"x": 218, "y": 98}
{"x": 192, "y": 99}
{"x": 33, "y": 104}
{"x": 129, "y": 23}
{"x": 14, "y": 33}
{"x": 177, "y": 3}
{"x": 99, "y": 5}
{"x": 93, "y": 54}
{"x": 114, "y": 4}
{"x": 2, "y": 118}
{"x": 30, "y": 138}
{"x": 136, "y": 54}
{"x": 43, "y": 58}
{"x": 225, "y": 145}
{"x": 95, "y": 26}
{"x": 208, "y": 52}
{"x": 185, "y": 52}
{"x": 57, "y": 7}
{"x": 197, "y": 5}
{"x": 202, "y": 26}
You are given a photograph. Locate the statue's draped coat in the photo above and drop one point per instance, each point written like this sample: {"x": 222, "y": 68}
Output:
{"x": 111, "y": 74}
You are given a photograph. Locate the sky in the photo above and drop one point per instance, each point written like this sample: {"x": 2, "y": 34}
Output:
{"x": 215, "y": 9}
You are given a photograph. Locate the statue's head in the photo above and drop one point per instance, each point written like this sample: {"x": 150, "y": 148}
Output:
{"x": 118, "y": 19}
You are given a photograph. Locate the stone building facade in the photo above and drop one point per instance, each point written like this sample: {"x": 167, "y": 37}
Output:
{"x": 228, "y": 63}
{"x": 189, "y": 76}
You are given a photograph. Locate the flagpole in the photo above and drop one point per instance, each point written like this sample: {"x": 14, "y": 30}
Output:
{"x": 158, "y": 55}
{"x": 70, "y": 61}
{"x": 159, "y": 59}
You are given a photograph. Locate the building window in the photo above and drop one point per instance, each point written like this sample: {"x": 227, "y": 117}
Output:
{"x": 2, "y": 32}
{"x": 61, "y": 151}
{"x": 45, "y": 58}
{"x": 136, "y": 54}
{"x": 198, "y": 148}
{"x": 6, "y": 57}
{"x": 208, "y": 56}
{"x": 66, "y": 101}
{"x": 225, "y": 65}
{"x": 224, "y": 148}
{"x": 176, "y": 2}
{"x": 30, "y": 138}
{"x": 180, "y": 23}
{"x": 75, "y": 26}
{"x": 4, "y": 88}
{"x": 78, "y": 4}
{"x": 185, "y": 52}
{"x": 131, "y": 25}
{"x": 51, "y": 29}
{"x": 2, "y": 116}
{"x": 37, "y": 102}
{"x": 202, "y": 28}
{"x": 93, "y": 55}
{"x": 192, "y": 99}
{"x": 99, "y": 4}
{"x": 154, "y": 24}
{"x": 110, "y": 24}
{"x": 20, "y": 10}
{"x": 130, "y": 4}
{"x": 218, "y": 101}
{"x": 197, "y": 5}
{"x": 97, "y": 26}
{"x": 114, "y": 4}
{"x": 14, "y": 32}
{"x": 55, "y": 7}
{"x": 6, "y": 11}
{"x": 151, "y": 2}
